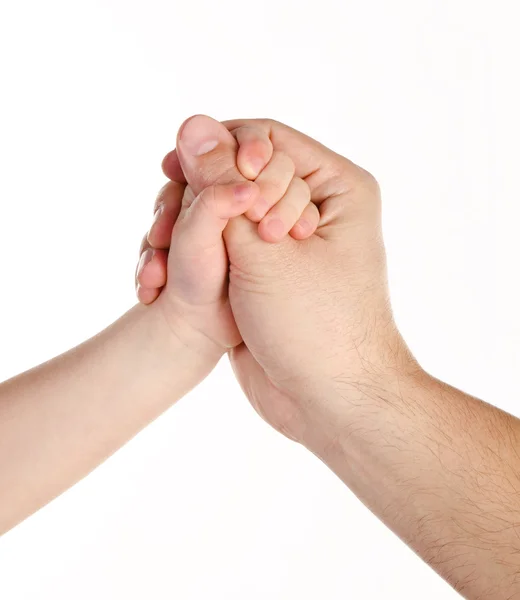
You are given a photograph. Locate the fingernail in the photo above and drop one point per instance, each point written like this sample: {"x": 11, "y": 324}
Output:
{"x": 242, "y": 192}
{"x": 276, "y": 228}
{"x": 146, "y": 257}
{"x": 200, "y": 135}
{"x": 303, "y": 225}
{"x": 256, "y": 165}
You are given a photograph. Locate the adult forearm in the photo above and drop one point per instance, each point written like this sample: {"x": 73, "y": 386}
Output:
{"x": 440, "y": 468}
{"x": 61, "y": 419}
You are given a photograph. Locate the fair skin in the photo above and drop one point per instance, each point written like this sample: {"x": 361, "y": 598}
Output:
{"x": 323, "y": 362}
{"x": 63, "y": 418}
{"x": 304, "y": 314}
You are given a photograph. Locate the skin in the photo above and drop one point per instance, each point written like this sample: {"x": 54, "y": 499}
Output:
{"x": 60, "y": 420}
{"x": 317, "y": 353}
{"x": 323, "y": 362}
{"x": 63, "y": 418}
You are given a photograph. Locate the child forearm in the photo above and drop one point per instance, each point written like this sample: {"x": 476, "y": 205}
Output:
{"x": 60, "y": 420}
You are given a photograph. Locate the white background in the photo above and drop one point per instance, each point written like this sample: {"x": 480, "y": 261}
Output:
{"x": 208, "y": 502}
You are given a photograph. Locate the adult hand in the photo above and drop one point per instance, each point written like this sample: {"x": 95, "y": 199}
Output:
{"x": 323, "y": 362}
{"x": 314, "y": 314}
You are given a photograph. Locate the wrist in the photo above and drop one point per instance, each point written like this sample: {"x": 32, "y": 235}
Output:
{"x": 356, "y": 407}
{"x": 170, "y": 355}
{"x": 178, "y": 323}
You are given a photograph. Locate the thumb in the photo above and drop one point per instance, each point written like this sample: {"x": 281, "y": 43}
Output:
{"x": 207, "y": 153}
{"x": 204, "y": 217}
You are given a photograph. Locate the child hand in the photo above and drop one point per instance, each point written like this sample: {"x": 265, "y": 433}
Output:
{"x": 197, "y": 274}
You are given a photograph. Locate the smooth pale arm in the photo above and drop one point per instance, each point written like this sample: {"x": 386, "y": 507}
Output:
{"x": 60, "y": 420}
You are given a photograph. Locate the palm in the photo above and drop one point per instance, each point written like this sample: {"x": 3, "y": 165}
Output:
{"x": 267, "y": 316}
{"x": 279, "y": 311}
{"x": 274, "y": 405}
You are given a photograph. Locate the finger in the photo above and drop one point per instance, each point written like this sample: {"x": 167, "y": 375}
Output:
{"x": 254, "y": 150}
{"x": 150, "y": 274}
{"x": 285, "y": 213}
{"x": 142, "y": 249}
{"x": 254, "y": 153}
{"x": 326, "y": 172}
{"x": 206, "y": 218}
{"x": 152, "y": 269}
{"x": 344, "y": 192}
{"x": 307, "y": 223}
{"x": 207, "y": 153}
{"x": 147, "y": 295}
{"x": 144, "y": 295}
{"x": 171, "y": 167}
{"x": 273, "y": 182}
{"x": 144, "y": 245}
{"x": 167, "y": 207}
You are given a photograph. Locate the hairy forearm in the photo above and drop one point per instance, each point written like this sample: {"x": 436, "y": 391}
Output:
{"x": 440, "y": 468}
{"x": 61, "y": 419}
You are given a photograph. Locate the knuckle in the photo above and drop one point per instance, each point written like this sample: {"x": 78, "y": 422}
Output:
{"x": 284, "y": 162}
{"x": 222, "y": 170}
{"x": 144, "y": 243}
{"x": 169, "y": 192}
{"x": 272, "y": 190}
{"x": 301, "y": 187}
{"x": 163, "y": 192}
{"x": 355, "y": 180}
{"x": 260, "y": 122}
{"x": 299, "y": 195}
{"x": 369, "y": 180}
{"x": 188, "y": 197}
{"x": 250, "y": 132}
{"x": 314, "y": 211}
{"x": 207, "y": 198}
{"x": 370, "y": 188}
{"x": 269, "y": 123}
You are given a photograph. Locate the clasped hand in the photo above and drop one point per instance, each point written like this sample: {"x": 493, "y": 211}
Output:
{"x": 267, "y": 245}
